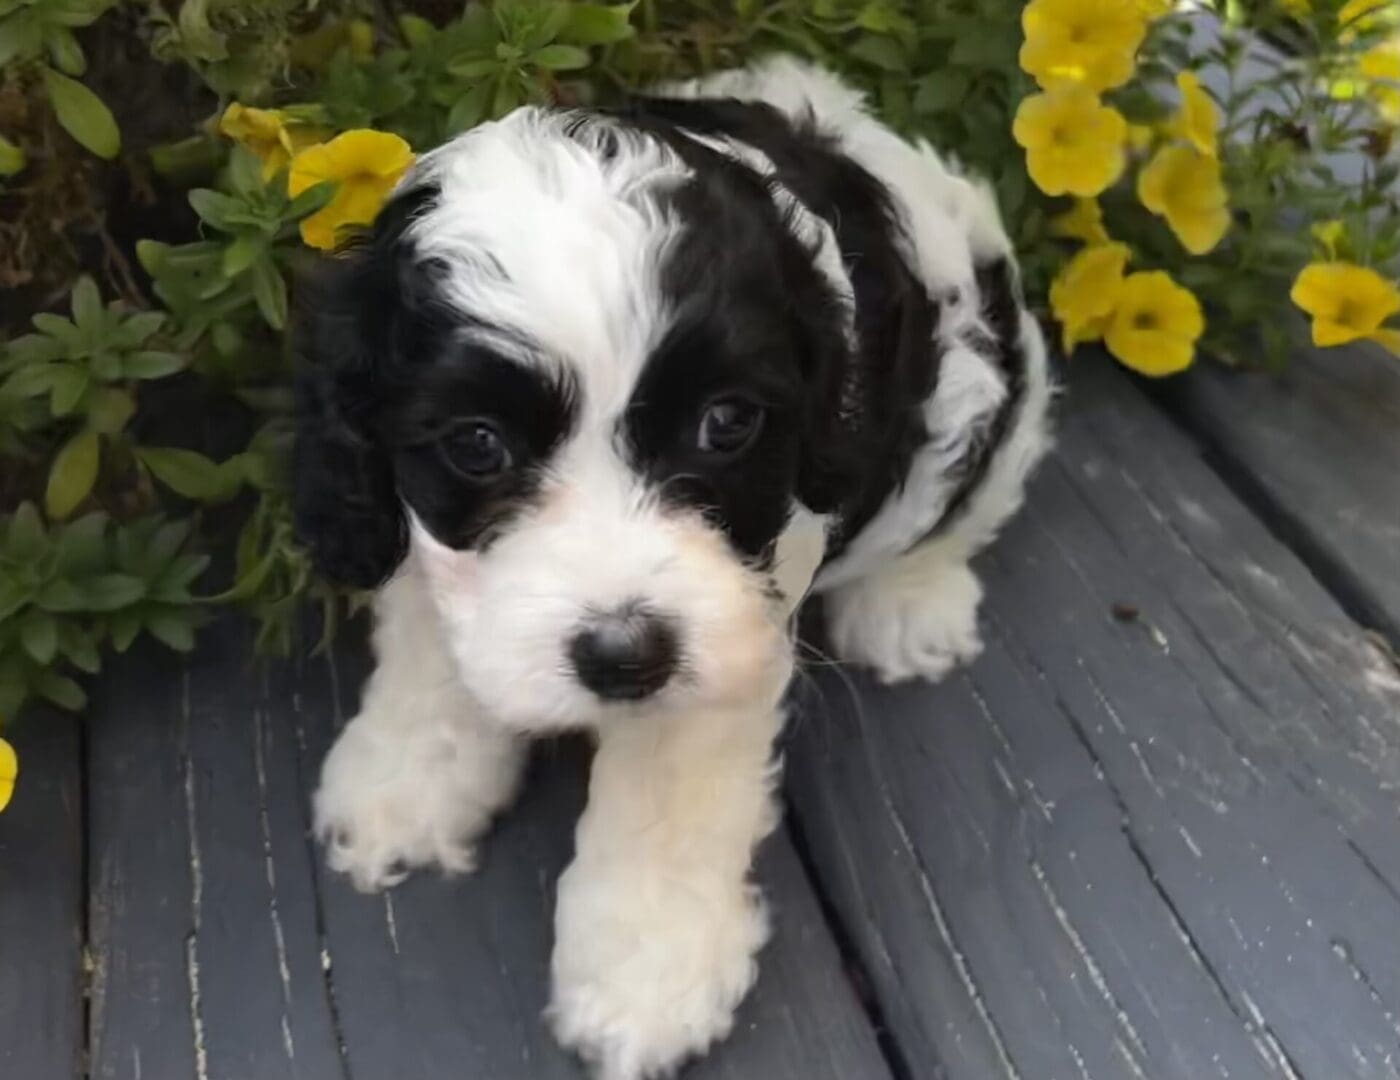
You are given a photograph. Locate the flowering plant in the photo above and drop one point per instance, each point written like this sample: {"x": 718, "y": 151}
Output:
{"x": 1176, "y": 177}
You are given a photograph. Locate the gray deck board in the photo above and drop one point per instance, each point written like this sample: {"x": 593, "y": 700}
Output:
{"x": 41, "y": 904}
{"x": 1145, "y": 843}
{"x": 1318, "y": 446}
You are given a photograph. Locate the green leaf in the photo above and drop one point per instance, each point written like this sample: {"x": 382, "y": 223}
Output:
{"x": 64, "y": 50}
{"x": 60, "y": 689}
{"x": 60, "y": 595}
{"x": 82, "y": 114}
{"x": 79, "y": 548}
{"x": 474, "y": 67}
{"x": 31, "y": 381}
{"x": 151, "y": 255}
{"x": 598, "y": 24}
{"x": 59, "y": 328}
{"x": 151, "y": 364}
{"x": 245, "y": 171}
{"x": 72, "y": 474}
{"x": 109, "y": 592}
{"x": 417, "y": 31}
{"x": 189, "y": 473}
{"x": 174, "y": 627}
{"x": 38, "y": 633}
{"x": 470, "y": 109}
{"x": 109, "y": 410}
{"x": 310, "y": 200}
{"x": 86, "y": 305}
{"x": 12, "y": 159}
{"x": 124, "y": 627}
{"x": 173, "y": 587}
{"x": 136, "y": 329}
{"x": 78, "y": 648}
{"x": 239, "y": 255}
{"x": 21, "y": 35}
{"x": 941, "y": 90}
{"x": 13, "y": 596}
{"x": 216, "y": 209}
{"x": 270, "y": 292}
{"x": 561, "y": 58}
{"x": 25, "y": 539}
{"x": 32, "y": 349}
{"x": 882, "y": 52}
{"x": 68, "y": 384}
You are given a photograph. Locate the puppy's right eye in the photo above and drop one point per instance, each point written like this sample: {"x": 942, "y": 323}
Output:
{"x": 475, "y": 451}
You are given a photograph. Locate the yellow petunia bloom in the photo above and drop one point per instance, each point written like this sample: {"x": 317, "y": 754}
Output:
{"x": 1083, "y": 223}
{"x": 1090, "y": 42}
{"x": 1197, "y": 121}
{"x": 1073, "y": 142}
{"x": 1184, "y": 186}
{"x": 1085, "y": 293}
{"x": 9, "y": 770}
{"x": 1155, "y": 324}
{"x": 271, "y": 134}
{"x": 1380, "y": 67}
{"x": 1347, "y": 303}
{"x": 365, "y": 165}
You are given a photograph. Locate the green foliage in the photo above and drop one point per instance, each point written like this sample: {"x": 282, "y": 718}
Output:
{"x": 40, "y": 33}
{"x": 66, "y": 591}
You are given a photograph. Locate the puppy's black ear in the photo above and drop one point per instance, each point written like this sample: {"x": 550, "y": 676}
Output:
{"x": 346, "y": 508}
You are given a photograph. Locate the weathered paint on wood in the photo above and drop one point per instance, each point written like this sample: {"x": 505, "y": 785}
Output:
{"x": 41, "y": 904}
{"x": 1317, "y": 449}
{"x": 1152, "y": 832}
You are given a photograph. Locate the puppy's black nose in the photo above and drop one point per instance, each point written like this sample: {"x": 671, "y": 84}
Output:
{"x": 627, "y": 655}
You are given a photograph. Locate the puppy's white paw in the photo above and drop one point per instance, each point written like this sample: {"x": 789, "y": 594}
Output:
{"x": 394, "y": 798}
{"x": 645, "y": 983}
{"x": 908, "y": 622}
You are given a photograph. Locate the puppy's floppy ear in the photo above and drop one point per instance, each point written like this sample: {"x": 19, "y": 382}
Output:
{"x": 346, "y": 508}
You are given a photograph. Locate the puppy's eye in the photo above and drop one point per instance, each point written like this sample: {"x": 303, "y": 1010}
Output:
{"x": 729, "y": 425}
{"x": 475, "y": 450}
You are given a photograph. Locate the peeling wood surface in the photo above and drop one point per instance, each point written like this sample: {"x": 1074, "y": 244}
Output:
{"x": 1317, "y": 448}
{"x": 41, "y": 904}
{"x": 1153, "y": 831}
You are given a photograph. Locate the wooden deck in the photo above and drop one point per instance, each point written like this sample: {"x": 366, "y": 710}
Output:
{"x": 1154, "y": 832}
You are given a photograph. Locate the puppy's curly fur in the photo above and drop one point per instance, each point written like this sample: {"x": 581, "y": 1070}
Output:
{"x": 601, "y": 398}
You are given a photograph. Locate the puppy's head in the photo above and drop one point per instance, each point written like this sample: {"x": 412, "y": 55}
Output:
{"x": 589, "y": 385}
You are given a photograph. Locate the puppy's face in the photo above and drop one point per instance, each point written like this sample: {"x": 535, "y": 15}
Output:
{"x": 573, "y": 377}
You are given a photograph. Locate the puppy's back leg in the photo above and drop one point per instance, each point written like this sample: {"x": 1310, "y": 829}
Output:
{"x": 416, "y": 777}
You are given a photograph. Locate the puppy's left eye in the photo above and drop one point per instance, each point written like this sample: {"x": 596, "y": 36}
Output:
{"x": 729, "y": 425}
{"x": 475, "y": 450}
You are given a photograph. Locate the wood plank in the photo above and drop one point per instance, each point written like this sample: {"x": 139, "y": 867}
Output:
{"x": 204, "y": 924}
{"x": 451, "y": 977}
{"x": 41, "y": 903}
{"x": 1153, "y": 828}
{"x": 1315, "y": 448}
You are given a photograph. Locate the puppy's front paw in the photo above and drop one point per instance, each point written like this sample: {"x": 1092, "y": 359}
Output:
{"x": 646, "y": 982}
{"x": 908, "y": 623}
{"x": 392, "y": 800}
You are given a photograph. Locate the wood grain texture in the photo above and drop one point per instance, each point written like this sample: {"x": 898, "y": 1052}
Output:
{"x": 1317, "y": 449}
{"x": 1153, "y": 829}
{"x": 41, "y": 903}
{"x": 203, "y": 914}
{"x": 439, "y": 978}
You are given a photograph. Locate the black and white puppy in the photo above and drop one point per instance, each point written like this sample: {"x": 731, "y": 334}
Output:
{"x": 601, "y": 399}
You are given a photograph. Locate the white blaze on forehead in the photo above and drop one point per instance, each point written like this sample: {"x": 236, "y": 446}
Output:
{"x": 548, "y": 226}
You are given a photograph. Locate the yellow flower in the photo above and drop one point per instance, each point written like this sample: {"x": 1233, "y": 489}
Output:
{"x": 365, "y": 166}
{"x": 1140, "y": 138}
{"x": 1380, "y": 66}
{"x": 1084, "y": 293}
{"x": 1152, "y": 10}
{"x": 1090, "y": 42}
{"x": 273, "y": 135}
{"x": 1183, "y": 185}
{"x": 1155, "y": 324}
{"x": 9, "y": 769}
{"x": 1083, "y": 223}
{"x": 1073, "y": 142}
{"x": 1359, "y": 16}
{"x": 1347, "y": 303}
{"x": 1198, "y": 120}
